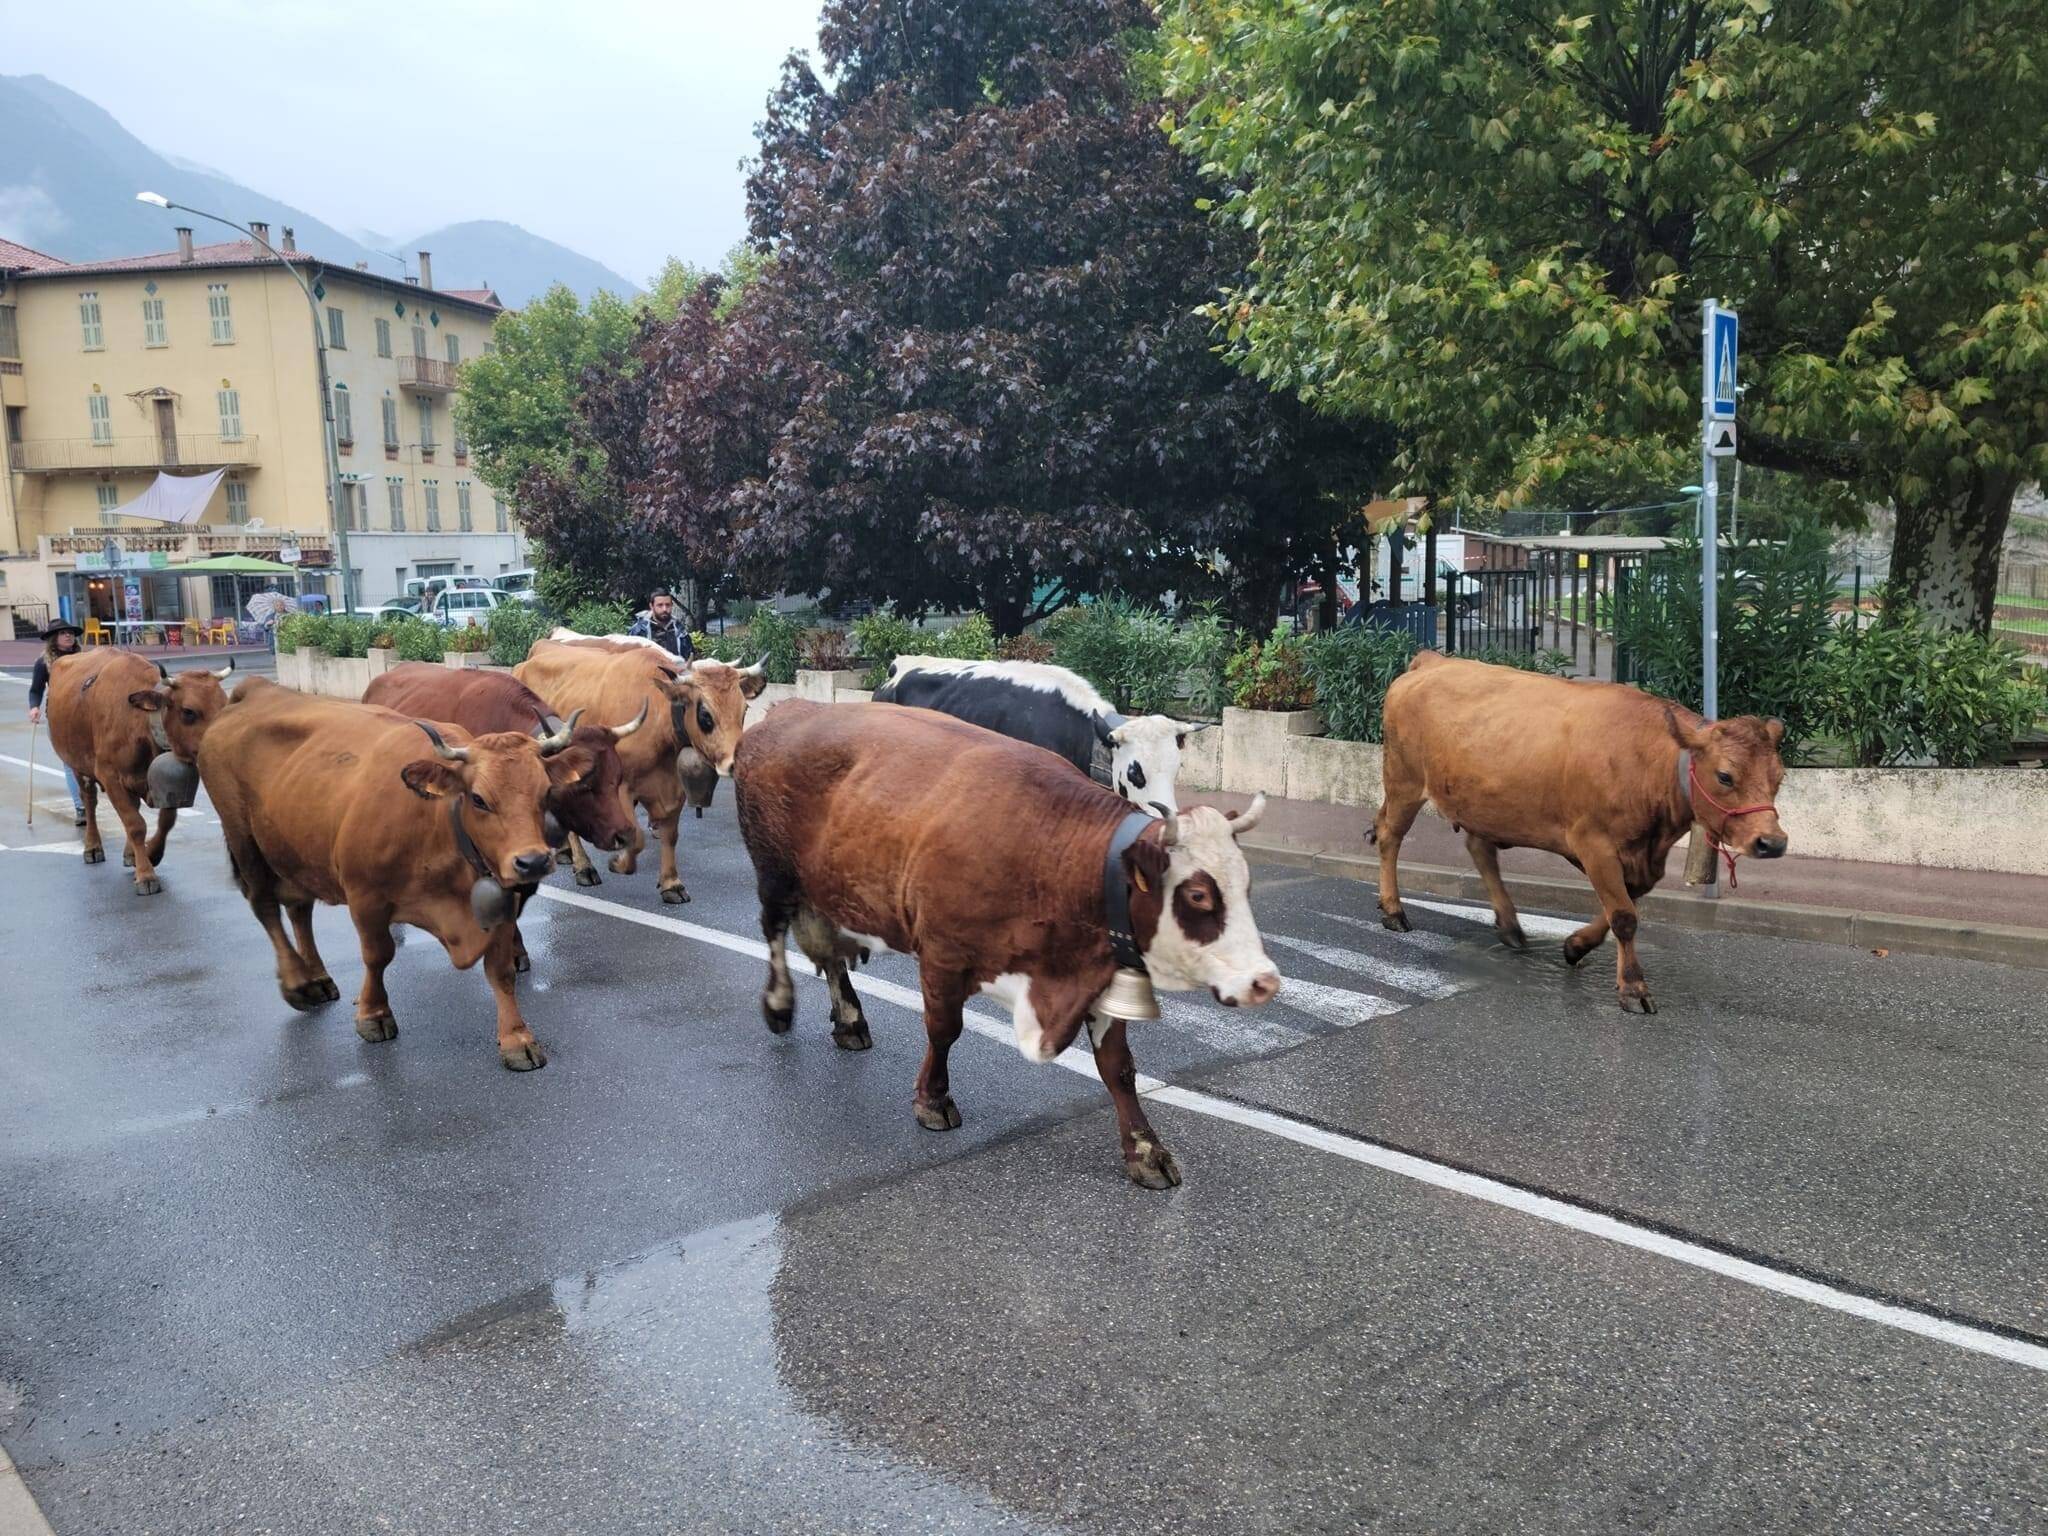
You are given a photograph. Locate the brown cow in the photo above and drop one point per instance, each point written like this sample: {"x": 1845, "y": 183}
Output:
{"x": 997, "y": 864}
{"x": 310, "y": 794}
{"x": 614, "y": 681}
{"x": 113, "y": 714}
{"x": 1601, "y": 774}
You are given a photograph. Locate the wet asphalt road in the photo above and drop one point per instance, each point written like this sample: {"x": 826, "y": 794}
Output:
{"x": 256, "y": 1275}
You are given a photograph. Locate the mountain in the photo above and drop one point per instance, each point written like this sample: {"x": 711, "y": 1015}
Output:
{"x": 489, "y": 253}
{"x": 70, "y": 172}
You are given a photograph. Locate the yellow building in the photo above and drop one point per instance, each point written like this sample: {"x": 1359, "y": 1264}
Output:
{"x": 203, "y": 358}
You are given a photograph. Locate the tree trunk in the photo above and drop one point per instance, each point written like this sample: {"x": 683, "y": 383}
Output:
{"x": 1253, "y": 601}
{"x": 1007, "y": 608}
{"x": 1945, "y": 552}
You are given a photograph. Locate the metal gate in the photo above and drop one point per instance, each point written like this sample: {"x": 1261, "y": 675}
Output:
{"x": 1489, "y": 611}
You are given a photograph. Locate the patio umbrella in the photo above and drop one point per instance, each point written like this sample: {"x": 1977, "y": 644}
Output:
{"x": 265, "y": 607}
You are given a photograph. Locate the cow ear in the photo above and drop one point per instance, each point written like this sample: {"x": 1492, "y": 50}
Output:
{"x": 431, "y": 779}
{"x": 1691, "y": 737}
{"x": 146, "y": 699}
{"x": 572, "y": 765}
{"x": 752, "y": 681}
{"x": 1145, "y": 863}
{"x": 1775, "y": 729}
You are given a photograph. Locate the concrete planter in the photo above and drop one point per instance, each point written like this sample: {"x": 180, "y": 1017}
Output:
{"x": 460, "y": 659}
{"x": 769, "y": 696}
{"x": 823, "y": 687}
{"x": 1944, "y": 818}
{"x": 1340, "y": 772}
{"x": 382, "y": 659}
{"x": 1255, "y": 747}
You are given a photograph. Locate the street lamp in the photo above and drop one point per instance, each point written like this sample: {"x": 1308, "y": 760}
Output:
{"x": 336, "y": 521}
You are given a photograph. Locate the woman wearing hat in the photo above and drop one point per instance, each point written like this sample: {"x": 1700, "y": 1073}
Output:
{"x": 60, "y": 639}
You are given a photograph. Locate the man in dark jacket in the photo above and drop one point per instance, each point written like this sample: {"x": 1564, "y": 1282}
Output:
{"x": 662, "y": 624}
{"x": 59, "y": 640}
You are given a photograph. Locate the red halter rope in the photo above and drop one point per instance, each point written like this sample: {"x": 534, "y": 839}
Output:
{"x": 1693, "y": 786}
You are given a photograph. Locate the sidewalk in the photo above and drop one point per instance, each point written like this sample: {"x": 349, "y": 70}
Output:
{"x": 23, "y": 653}
{"x": 1963, "y": 913}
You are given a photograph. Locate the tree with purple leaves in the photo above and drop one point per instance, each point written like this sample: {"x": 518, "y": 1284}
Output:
{"x": 973, "y": 374}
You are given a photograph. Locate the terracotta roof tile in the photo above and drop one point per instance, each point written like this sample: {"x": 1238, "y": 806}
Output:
{"x": 241, "y": 253}
{"x": 20, "y": 258}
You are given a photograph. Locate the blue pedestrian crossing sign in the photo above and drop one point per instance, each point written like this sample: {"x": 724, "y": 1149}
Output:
{"x": 1721, "y": 365}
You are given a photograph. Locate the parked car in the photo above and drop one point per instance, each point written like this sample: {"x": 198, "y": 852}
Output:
{"x": 417, "y": 586}
{"x": 519, "y": 586}
{"x": 466, "y": 607}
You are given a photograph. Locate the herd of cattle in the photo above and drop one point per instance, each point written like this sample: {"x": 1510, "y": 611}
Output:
{"x": 998, "y": 821}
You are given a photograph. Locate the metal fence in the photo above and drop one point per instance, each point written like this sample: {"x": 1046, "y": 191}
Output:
{"x": 2020, "y": 613}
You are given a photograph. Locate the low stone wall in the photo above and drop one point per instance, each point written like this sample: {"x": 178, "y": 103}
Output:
{"x": 311, "y": 670}
{"x": 1942, "y": 818}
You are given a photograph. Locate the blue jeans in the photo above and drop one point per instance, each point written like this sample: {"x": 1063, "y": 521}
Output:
{"x": 70, "y": 778}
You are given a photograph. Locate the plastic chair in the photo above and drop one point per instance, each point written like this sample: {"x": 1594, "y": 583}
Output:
{"x": 95, "y": 632}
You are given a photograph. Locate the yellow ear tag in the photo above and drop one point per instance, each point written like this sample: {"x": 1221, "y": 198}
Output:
{"x": 1138, "y": 879}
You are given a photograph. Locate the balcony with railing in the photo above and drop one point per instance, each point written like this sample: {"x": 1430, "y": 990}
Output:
{"x": 85, "y": 455}
{"x": 426, "y": 375}
{"x": 192, "y": 543}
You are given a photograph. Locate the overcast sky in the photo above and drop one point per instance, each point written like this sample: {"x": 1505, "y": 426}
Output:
{"x": 613, "y": 126}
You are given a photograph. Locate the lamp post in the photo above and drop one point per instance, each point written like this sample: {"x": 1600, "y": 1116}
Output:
{"x": 336, "y": 521}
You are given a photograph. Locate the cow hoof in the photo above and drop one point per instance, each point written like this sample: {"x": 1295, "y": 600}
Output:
{"x": 1633, "y": 1000}
{"x": 937, "y": 1115}
{"x": 523, "y": 1058}
{"x": 95, "y": 855}
{"x": 1574, "y": 951}
{"x": 1151, "y": 1166}
{"x": 622, "y": 863}
{"x": 564, "y": 856}
{"x": 674, "y": 895}
{"x": 150, "y": 886}
{"x": 589, "y": 876}
{"x": 779, "y": 1019}
{"x": 854, "y": 1037}
{"x": 329, "y": 990}
{"x": 308, "y": 997}
{"x": 1395, "y": 921}
{"x": 1513, "y": 937}
{"x": 522, "y": 963}
{"x": 378, "y": 1028}
{"x": 127, "y": 858}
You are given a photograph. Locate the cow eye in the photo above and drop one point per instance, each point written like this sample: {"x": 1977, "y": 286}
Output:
{"x": 1200, "y": 899}
{"x": 1726, "y": 781}
{"x": 191, "y": 716}
{"x": 1136, "y": 774}
{"x": 704, "y": 721}
{"x": 479, "y": 802}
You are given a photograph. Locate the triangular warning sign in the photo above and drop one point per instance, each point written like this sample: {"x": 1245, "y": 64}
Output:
{"x": 1721, "y": 440}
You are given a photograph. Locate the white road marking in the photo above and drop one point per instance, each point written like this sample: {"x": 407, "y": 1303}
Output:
{"x": 1334, "y": 1005}
{"x": 71, "y": 848}
{"x": 9, "y": 677}
{"x": 22, "y": 762}
{"x": 1408, "y": 1166}
{"x": 1548, "y": 927}
{"x": 1236, "y": 1029}
{"x": 1419, "y": 979}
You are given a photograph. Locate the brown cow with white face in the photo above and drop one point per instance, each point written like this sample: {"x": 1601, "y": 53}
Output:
{"x": 1607, "y": 776}
{"x": 124, "y": 726}
{"x": 677, "y": 758}
{"x": 400, "y": 821}
{"x": 991, "y": 860}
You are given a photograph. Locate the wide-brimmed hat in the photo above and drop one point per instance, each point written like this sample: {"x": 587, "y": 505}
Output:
{"x": 58, "y": 628}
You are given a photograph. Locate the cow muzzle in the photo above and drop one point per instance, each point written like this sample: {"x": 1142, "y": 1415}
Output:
{"x": 1770, "y": 846}
{"x": 171, "y": 783}
{"x": 1255, "y": 993}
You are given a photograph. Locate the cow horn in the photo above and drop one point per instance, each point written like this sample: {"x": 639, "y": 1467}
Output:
{"x": 1169, "y": 831}
{"x": 225, "y": 672}
{"x": 441, "y": 748}
{"x": 1248, "y": 818}
{"x": 621, "y": 732}
{"x": 163, "y": 672}
{"x": 759, "y": 668}
{"x": 551, "y": 744}
{"x": 1106, "y": 728}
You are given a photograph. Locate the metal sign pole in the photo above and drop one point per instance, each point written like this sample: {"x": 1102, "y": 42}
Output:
{"x": 1710, "y": 538}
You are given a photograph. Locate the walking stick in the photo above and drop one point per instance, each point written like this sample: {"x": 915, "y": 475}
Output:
{"x": 34, "y": 726}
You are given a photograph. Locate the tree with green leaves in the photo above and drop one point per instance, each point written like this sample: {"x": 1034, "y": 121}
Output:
{"x": 1493, "y": 223}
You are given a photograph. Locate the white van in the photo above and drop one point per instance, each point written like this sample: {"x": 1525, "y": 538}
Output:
{"x": 465, "y": 607}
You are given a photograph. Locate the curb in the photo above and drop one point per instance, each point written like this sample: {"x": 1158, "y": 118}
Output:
{"x": 19, "y": 1513}
{"x": 1999, "y": 943}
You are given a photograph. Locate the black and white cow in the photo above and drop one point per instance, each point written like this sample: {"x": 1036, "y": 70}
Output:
{"x": 1053, "y": 708}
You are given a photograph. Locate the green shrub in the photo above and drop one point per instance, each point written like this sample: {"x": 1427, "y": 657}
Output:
{"x": 468, "y": 639}
{"x": 1025, "y": 647}
{"x": 730, "y": 647}
{"x": 292, "y": 629}
{"x": 825, "y": 649}
{"x": 418, "y": 639}
{"x": 880, "y": 637}
{"x": 1351, "y": 670}
{"x": 1903, "y": 691}
{"x": 512, "y": 629}
{"x": 1555, "y": 663}
{"x": 772, "y": 638}
{"x": 1132, "y": 654}
{"x": 1206, "y": 643}
{"x": 599, "y": 618}
{"x": 1775, "y": 618}
{"x": 1272, "y": 674}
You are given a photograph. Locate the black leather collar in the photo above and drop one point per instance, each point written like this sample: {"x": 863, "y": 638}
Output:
{"x": 1116, "y": 891}
{"x": 464, "y": 843}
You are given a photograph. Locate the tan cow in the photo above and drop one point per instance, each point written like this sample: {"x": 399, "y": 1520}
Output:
{"x": 398, "y": 820}
{"x": 1604, "y": 775}
{"x": 611, "y": 681}
{"x": 113, "y": 716}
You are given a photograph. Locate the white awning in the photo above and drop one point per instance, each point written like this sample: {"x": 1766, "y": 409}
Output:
{"x": 174, "y": 498}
